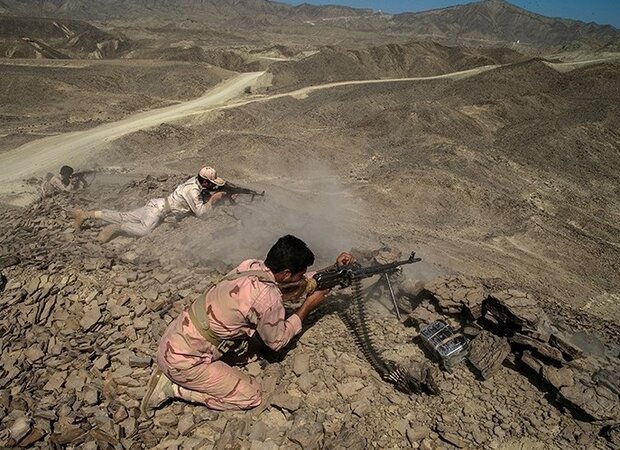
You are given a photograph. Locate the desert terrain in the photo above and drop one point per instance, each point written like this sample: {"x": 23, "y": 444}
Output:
{"x": 495, "y": 158}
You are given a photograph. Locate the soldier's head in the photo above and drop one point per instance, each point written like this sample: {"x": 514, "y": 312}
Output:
{"x": 289, "y": 258}
{"x": 66, "y": 172}
{"x": 208, "y": 179}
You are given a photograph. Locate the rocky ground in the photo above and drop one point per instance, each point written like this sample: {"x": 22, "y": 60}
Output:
{"x": 507, "y": 178}
{"x": 80, "y": 323}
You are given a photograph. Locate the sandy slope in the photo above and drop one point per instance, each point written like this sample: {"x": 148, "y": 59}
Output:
{"x": 45, "y": 155}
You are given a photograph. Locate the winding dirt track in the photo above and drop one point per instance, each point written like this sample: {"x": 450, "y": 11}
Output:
{"x": 304, "y": 92}
{"x": 47, "y": 154}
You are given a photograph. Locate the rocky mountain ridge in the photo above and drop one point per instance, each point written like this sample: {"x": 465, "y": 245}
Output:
{"x": 484, "y": 23}
{"x": 504, "y": 22}
{"x": 107, "y": 9}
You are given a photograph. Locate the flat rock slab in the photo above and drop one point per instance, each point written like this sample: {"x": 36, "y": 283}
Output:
{"x": 487, "y": 353}
{"x": 286, "y": 401}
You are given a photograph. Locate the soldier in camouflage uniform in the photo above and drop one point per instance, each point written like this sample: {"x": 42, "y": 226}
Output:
{"x": 191, "y": 356}
{"x": 186, "y": 199}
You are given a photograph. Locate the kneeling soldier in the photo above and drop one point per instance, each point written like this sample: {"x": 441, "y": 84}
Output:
{"x": 247, "y": 301}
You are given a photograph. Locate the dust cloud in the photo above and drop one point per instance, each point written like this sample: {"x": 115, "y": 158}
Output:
{"x": 314, "y": 205}
{"x": 424, "y": 270}
{"x": 311, "y": 202}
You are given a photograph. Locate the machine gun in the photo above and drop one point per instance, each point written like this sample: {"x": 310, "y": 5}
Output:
{"x": 344, "y": 276}
{"x": 410, "y": 379}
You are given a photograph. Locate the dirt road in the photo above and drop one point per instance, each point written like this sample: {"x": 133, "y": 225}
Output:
{"x": 46, "y": 155}
{"x": 304, "y": 92}
{"x": 572, "y": 65}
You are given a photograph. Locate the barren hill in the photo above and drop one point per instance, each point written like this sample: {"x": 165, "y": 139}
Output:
{"x": 32, "y": 37}
{"x": 385, "y": 61}
{"x": 225, "y": 58}
{"x": 504, "y": 179}
{"x": 60, "y": 96}
{"x": 216, "y": 9}
{"x": 499, "y": 21}
{"x": 510, "y": 173}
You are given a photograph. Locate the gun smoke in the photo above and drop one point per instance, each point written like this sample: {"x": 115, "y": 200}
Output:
{"x": 316, "y": 208}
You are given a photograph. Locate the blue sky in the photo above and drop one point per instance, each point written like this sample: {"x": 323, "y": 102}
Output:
{"x": 599, "y": 11}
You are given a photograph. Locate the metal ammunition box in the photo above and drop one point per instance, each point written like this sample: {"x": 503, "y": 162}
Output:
{"x": 448, "y": 346}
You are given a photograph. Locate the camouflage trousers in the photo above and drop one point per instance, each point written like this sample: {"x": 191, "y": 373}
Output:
{"x": 213, "y": 383}
{"x": 138, "y": 222}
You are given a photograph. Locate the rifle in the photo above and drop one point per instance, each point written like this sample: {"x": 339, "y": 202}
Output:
{"x": 229, "y": 190}
{"x": 81, "y": 177}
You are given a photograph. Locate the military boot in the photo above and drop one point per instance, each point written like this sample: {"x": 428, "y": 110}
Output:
{"x": 109, "y": 232}
{"x": 79, "y": 216}
{"x": 158, "y": 391}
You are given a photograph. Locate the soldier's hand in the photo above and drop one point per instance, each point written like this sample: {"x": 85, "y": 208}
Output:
{"x": 216, "y": 197}
{"x": 345, "y": 258}
{"x": 318, "y": 296}
{"x": 315, "y": 299}
{"x": 312, "y": 302}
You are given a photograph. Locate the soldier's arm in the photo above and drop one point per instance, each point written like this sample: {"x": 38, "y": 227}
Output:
{"x": 198, "y": 207}
{"x": 272, "y": 326}
{"x": 312, "y": 302}
{"x": 57, "y": 184}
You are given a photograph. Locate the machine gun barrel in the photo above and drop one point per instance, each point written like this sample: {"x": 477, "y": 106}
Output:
{"x": 389, "y": 267}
